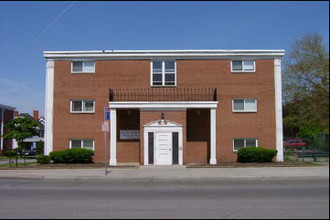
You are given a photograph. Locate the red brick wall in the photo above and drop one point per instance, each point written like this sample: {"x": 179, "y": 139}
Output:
{"x": 67, "y": 86}
{"x": 128, "y": 150}
{"x": 260, "y": 85}
{"x": 190, "y": 73}
{"x": 196, "y": 152}
{"x": 198, "y": 136}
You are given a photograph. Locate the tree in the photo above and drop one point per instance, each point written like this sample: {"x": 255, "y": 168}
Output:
{"x": 40, "y": 148}
{"x": 306, "y": 86}
{"x": 20, "y": 128}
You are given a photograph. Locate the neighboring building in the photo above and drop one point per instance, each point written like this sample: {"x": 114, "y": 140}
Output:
{"x": 6, "y": 115}
{"x": 166, "y": 106}
{"x": 31, "y": 142}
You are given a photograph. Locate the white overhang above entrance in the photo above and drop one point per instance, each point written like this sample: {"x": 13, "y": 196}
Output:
{"x": 163, "y": 105}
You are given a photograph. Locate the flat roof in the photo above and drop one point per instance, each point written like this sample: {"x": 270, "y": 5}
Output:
{"x": 145, "y": 54}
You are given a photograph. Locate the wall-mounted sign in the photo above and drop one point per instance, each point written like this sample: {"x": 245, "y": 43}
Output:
{"x": 105, "y": 126}
{"x": 106, "y": 113}
{"x": 129, "y": 134}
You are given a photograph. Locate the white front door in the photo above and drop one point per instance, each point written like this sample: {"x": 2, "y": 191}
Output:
{"x": 163, "y": 148}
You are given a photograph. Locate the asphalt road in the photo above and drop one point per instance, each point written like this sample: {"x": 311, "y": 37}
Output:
{"x": 164, "y": 199}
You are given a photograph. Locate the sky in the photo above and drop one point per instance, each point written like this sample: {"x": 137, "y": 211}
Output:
{"x": 29, "y": 28}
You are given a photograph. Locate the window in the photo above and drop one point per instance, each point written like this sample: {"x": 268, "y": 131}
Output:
{"x": 84, "y": 143}
{"x": 163, "y": 73}
{"x": 244, "y": 105}
{"x": 82, "y": 106}
{"x": 83, "y": 67}
{"x": 244, "y": 142}
{"x": 243, "y": 66}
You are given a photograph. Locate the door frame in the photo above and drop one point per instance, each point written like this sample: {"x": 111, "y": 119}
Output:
{"x": 156, "y": 128}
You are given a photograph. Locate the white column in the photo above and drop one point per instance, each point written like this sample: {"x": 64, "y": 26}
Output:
{"x": 213, "y": 139}
{"x": 113, "y": 137}
{"x": 278, "y": 106}
{"x": 49, "y": 102}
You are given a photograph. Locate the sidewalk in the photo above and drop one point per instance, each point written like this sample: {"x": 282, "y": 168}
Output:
{"x": 172, "y": 172}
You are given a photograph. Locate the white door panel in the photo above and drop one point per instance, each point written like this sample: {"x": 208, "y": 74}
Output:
{"x": 163, "y": 148}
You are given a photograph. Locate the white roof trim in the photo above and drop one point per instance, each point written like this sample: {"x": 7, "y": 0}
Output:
{"x": 143, "y": 54}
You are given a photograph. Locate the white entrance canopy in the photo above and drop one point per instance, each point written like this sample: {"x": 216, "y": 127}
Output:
{"x": 160, "y": 106}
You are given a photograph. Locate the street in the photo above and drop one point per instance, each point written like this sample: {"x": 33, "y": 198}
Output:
{"x": 280, "y": 198}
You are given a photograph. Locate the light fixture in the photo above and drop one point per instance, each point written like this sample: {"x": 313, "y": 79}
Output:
{"x": 162, "y": 120}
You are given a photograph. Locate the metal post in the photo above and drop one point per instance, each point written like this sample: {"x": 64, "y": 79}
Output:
{"x": 16, "y": 158}
{"x": 24, "y": 158}
{"x": 10, "y": 159}
{"x": 105, "y": 148}
{"x": 303, "y": 154}
{"x": 105, "y": 129}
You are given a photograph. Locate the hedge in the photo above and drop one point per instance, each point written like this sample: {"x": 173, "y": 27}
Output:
{"x": 72, "y": 156}
{"x": 255, "y": 155}
{"x": 9, "y": 153}
{"x": 43, "y": 159}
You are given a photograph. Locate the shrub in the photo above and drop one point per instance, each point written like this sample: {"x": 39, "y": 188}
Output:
{"x": 255, "y": 155}
{"x": 40, "y": 148}
{"x": 9, "y": 153}
{"x": 72, "y": 156}
{"x": 56, "y": 156}
{"x": 43, "y": 159}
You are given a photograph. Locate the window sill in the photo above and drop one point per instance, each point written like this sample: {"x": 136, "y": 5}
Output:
{"x": 245, "y": 111}
{"x": 82, "y": 72}
{"x": 243, "y": 71}
{"x": 82, "y": 112}
{"x": 163, "y": 86}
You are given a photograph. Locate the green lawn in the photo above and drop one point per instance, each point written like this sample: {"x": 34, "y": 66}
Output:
{"x": 18, "y": 165}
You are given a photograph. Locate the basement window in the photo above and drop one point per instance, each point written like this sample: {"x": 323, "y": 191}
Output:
{"x": 82, "y": 143}
{"x": 239, "y": 143}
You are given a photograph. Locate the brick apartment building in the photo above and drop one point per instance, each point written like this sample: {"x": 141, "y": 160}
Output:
{"x": 166, "y": 106}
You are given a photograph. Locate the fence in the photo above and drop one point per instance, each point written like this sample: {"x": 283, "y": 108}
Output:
{"x": 162, "y": 94}
{"x": 316, "y": 150}
{"x": 10, "y": 159}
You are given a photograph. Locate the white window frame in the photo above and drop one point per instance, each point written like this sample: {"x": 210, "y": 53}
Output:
{"x": 163, "y": 74}
{"x": 257, "y": 142}
{"x": 256, "y": 101}
{"x": 83, "y": 62}
{"x": 82, "y": 143}
{"x": 243, "y": 70}
{"x": 82, "y": 107}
